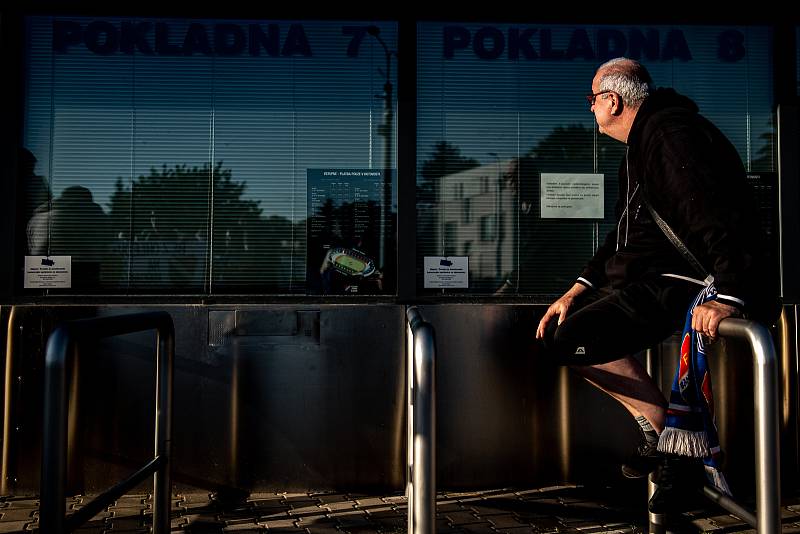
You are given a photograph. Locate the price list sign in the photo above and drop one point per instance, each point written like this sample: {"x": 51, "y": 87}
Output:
{"x": 344, "y": 218}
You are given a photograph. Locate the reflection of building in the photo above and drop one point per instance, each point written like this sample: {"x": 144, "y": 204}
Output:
{"x": 478, "y": 218}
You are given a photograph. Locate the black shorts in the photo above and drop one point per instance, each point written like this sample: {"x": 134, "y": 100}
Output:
{"x": 608, "y": 324}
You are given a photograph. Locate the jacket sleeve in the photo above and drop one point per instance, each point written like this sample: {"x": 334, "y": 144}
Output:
{"x": 594, "y": 273}
{"x": 696, "y": 179}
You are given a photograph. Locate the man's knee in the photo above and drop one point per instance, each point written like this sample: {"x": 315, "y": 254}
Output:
{"x": 566, "y": 345}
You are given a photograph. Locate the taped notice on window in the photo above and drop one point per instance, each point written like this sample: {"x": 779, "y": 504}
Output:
{"x": 572, "y": 196}
{"x": 48, "y": 272}
{"x": 447, "y": 271}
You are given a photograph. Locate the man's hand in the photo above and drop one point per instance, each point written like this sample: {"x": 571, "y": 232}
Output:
{"x": 706, "y": 317}
{"x": 560, "y": 308}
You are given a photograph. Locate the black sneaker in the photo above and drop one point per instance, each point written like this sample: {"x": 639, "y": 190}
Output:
{"x": 643, "y": 462}
{"x": 679, "y": 482}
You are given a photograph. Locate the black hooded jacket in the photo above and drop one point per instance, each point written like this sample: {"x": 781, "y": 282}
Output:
{"x": 694, "y": 179}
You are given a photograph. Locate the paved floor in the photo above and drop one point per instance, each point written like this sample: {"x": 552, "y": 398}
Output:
{"x": 562, "y": 509}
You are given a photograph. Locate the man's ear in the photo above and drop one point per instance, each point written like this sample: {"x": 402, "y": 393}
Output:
{"x": 616, "y": 104}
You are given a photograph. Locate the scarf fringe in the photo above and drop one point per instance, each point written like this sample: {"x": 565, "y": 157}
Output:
{"x": 717, "y": 479}
{"x": 683, "y": 442}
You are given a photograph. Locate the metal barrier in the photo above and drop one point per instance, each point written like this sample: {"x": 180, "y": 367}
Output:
{"x": 656, "y": 522}
{"x": 767, "y": 519}
{"x": 421, "y": 472}
{"x": 61, "y": 347}
{"x": 10, "y": 418}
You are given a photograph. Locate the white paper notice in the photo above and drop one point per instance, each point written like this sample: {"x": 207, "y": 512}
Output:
{"x": 449, "y": 271}
{"x": 572, "y": 196}
{"x": 48, "y": 272}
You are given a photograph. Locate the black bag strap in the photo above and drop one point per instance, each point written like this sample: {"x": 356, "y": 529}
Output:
{"x": 676, "y": 241}
{"x": 766, "y": 310}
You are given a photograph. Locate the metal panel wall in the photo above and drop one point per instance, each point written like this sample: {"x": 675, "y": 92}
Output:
{"x": 284, "y": 397}
{"x": 301, "y": 398}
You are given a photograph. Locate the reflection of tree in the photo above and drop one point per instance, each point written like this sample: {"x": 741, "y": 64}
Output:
{"x": 176, "y": 199}
{"x": 162, "y": 224}
{"x": 572, "y": 149}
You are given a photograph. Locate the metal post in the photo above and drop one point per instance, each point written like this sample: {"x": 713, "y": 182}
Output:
{"x": 422, "y": 425}
{"x": 52, "y": 505}
{"x": 656, "y": 522}
{"x": 765, "y": 366}
{"x": 9, "y": 417}
{"x": 162, "y": 491}
{"x": 61, "y": 346}
{"x": 410, "y": 421}
{"x": 729, "y": 504}
{"x": 387, "y": 132}
{"x": 768, "y": 484}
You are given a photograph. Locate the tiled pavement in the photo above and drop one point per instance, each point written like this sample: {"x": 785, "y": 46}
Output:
{"x": 562, "y": 509}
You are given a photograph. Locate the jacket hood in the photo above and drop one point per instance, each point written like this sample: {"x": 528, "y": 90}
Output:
{"x": 660, "y": 99}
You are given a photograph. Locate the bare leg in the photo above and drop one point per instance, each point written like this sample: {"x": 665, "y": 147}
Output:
{"x": 627, "y": 381}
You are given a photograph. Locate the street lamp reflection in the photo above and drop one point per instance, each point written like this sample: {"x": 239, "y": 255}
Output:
{"x": 385, "y": 130}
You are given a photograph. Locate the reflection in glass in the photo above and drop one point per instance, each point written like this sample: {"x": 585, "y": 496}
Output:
{"x": 72, "y": 225}
{"x": 499, "y": 104}
{"x": 195, "y": 138}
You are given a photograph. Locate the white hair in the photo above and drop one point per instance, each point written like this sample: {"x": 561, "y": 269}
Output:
{"x": 628, "y": 78}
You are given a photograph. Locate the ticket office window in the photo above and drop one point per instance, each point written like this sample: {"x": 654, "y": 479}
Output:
{"x": 209, "y": 156}
{"x": 503, "y": 126}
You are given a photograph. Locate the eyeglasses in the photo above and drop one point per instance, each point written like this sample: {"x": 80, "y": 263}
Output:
{"x": 591, "y": 97}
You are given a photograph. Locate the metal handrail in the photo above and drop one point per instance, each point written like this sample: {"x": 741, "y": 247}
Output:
{"x": 656, "y": 522}
{"x": 61, "y": 347}
{"x": 767, "y": 519}
{"x": 421, "y": 466}
{"x": 9, "y": 418}
{"x": 765, "y": 395}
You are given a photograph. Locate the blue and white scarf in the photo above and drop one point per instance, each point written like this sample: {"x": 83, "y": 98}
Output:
{"x": 690, "y": 427}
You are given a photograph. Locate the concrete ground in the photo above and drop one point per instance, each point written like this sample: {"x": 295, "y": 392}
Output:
{"x": 561, "y": 509}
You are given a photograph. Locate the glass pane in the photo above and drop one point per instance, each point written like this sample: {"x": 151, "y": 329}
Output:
{"x": 172, "y": 156}
{"x": 501, "y": 110}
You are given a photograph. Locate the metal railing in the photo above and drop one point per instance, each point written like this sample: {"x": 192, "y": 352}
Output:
{"x": 421, "y": 466}
{"x": 656, "y": 522}
{"x": 767, "y": 519}
{"x": 10, "y": 406}
{"x": 61, "y": 347}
